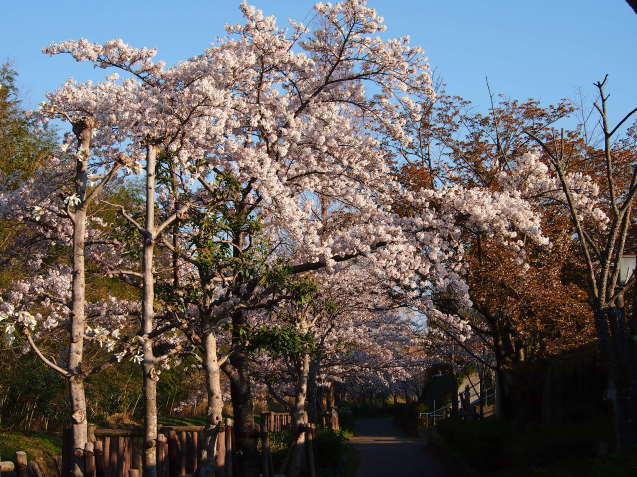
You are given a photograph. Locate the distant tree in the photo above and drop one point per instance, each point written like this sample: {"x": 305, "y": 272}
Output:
{"x": 23, "y": 146}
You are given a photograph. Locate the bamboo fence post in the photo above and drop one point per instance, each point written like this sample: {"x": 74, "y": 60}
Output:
{"x": 229, "y": 442}
{"x": 21, "y": 464}
{"x": 89, "y": 460}
{"x": 133, "y": 473}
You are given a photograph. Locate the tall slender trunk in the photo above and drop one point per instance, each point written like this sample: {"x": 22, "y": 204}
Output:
{"x": 83, "y": 130}
{"x": 314, "y": 412}
{"x": 212, "y": 461}
{"x": 76, "y": 348}
{"x": 148, "y": 318}
{"x": 332, "y": 408}
{"x": 299, "y": 418}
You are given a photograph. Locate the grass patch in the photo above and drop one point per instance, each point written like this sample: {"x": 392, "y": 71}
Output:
{"x": 183, "y": 421}
{"x": 35, "y": 444}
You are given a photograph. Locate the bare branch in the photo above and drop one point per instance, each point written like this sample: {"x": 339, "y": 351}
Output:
{"x": 43, "y": 358}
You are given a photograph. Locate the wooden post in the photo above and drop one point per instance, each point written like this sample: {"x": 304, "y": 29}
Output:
{"x": 137, "y": 460}
{"x": 201, "y": 445}
{"x": 106, "y": 456}
{"x": 7, "y": 466}
{"x": 229, "y": 442}
{"x": 133, "y": 473}
{"x": 162, "y": 454}
{"x": 112, "y": 459}
{"x": 194, "y": 455}
{"x": 21, "y": 464}
{"x": 309, "y": 445}
{"x": 173, "y": 454}
{"x": 121, "y": 456}
{"x": 89, "y": 460}
{"x": 91, "y": 434}
{"x": 183, "y": 446}
{"x": 220, "y": 455}
{"x": 99, "y": 458}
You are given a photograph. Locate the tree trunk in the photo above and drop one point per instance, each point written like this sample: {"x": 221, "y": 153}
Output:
{"x": 314, "y": 413}
{"x": 148, "y": 318}
{"x": 331, "y": 407}
{"x": 246, "y": 444}
{"x": 299, "y": 417}
{"x": 214, "y": 410}
{"x": 504, "y": 407}
{"x": 76, "y": 347}
{"x": 83, "y": 130}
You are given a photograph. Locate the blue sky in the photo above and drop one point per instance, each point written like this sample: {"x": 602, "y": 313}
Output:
{"x": 543, "y": 49}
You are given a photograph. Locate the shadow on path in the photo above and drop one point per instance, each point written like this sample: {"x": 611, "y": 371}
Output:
{"x": 383, "y": 450}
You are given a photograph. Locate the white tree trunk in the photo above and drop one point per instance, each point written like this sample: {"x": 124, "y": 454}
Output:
{"x": 214, "y": 410}
{"x": 148, "y": 315}
{"x": 83, "y": 130}
{"x": 299, "y": 417}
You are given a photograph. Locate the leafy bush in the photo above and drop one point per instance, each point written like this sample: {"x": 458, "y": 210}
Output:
{"x": 330, "y": 448}
{"x": 509, "y": 449}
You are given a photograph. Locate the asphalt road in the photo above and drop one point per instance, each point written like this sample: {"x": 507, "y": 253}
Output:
{"x": 383, "y": 450}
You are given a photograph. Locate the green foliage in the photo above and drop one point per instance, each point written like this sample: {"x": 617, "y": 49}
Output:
{"x": 281, "y": 341}
{"x": 23, "y": 146}
{"x": 30, "y": 392}
{"x": 114, "y": 391}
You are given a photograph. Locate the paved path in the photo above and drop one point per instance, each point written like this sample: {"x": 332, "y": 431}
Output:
{"x": 385, "y": 451}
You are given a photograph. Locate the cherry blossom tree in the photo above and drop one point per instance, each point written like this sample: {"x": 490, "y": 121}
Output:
{"x": 56, "y": 204}
{"x": 298, "y": 126}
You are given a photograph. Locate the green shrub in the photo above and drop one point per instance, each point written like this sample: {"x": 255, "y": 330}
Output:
{"x": 508, "y": 449}
{"x": 330, "y": 448}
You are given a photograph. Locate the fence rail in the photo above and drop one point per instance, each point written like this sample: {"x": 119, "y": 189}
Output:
{"x": 431, "y": 418}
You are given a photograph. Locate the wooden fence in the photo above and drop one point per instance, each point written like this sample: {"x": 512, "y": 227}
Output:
{"x": 276, "y": 421}
{"x": 118, "y": 452}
